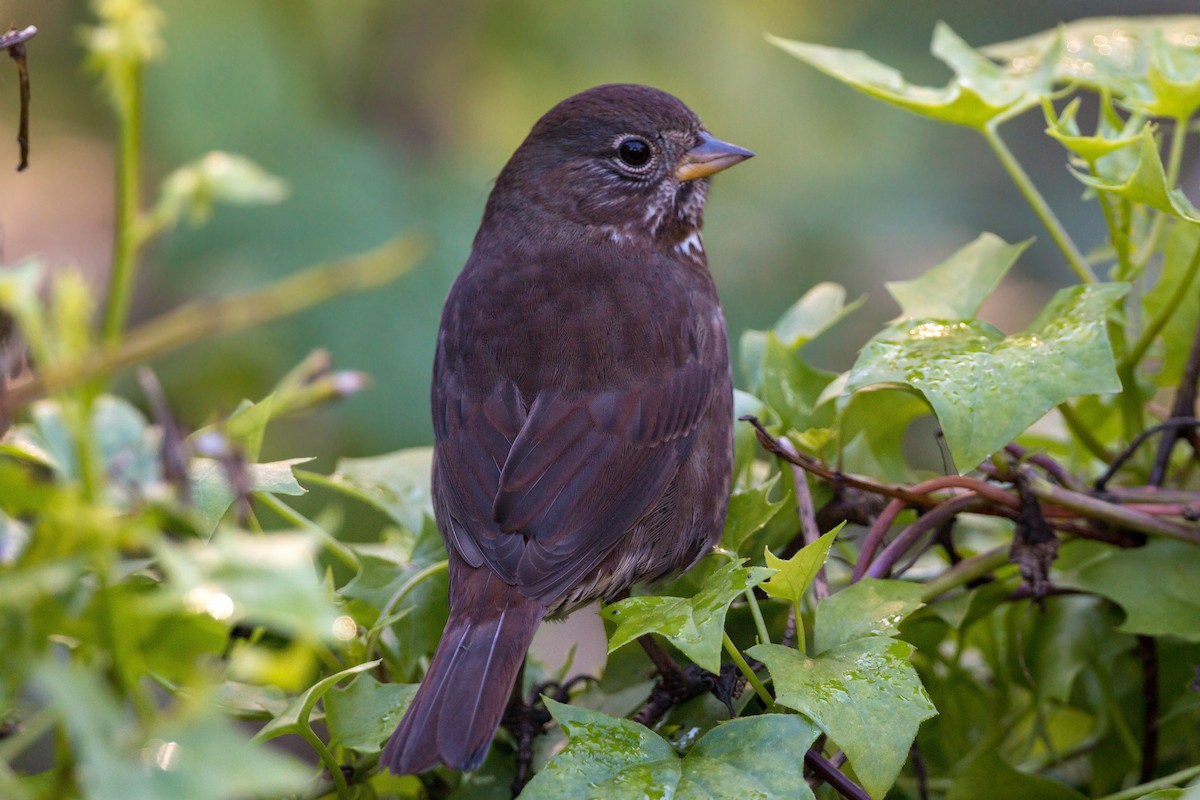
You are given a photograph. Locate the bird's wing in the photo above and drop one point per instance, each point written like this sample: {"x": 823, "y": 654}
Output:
{"x": 542, "y": 494}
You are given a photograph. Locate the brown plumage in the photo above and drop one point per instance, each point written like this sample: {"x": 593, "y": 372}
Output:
{"x": 582, "y": 398}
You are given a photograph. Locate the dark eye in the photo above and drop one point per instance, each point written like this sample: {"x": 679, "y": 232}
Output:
{"x": 634, "y": 152}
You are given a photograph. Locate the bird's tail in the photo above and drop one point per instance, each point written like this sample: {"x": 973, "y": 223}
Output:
{"x": 459, "y": 704}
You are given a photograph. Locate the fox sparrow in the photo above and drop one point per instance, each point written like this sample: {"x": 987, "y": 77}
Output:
{"x": 582, "y": 399}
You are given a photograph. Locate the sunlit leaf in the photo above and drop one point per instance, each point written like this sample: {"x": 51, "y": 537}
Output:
{"x": 212, "y": 493}
{"x": 263, "y": 579}
{"x": 396, "y": 483}
{"x": 620, "y": 760}
{"x": 1107, "y": 139}
{"x": 986, "y": 388}
{"x": 864, "y": 694}
{"x": 821, "y": 307}
{"x": 980, "y": 91}
{"x": 1146, "y": 183}
{"x": 794, "y": 575}
{"x": 693, "y": 624}
{"x": 298, "y": 712}
{"x": 956, "y": 288}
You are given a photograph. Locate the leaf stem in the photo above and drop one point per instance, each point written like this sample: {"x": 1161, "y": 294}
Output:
{"x": 763, "y": 636}
{"x": 1083, "y": 433}
{"x": 1040, "y": 207}
{"x": 751, "y": 677}
{"x": 1155, "y": 326}
{"x": 1165, "y": 782}
{"x": 412, "y": 583}
{"x": 294, "y": 517}
{"x": 125, "y": 234}
{"x": 331, "y": 764}
{"x": 966, "y": 571}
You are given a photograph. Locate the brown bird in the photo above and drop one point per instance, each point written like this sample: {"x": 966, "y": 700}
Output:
{"x": 582, "y": 398}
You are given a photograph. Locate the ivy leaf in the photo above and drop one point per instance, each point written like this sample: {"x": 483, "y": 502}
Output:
{"x": 986, "y": 388}
{"x": 268, "y": 580}
{"x": 870, "y": 607}
{"x": 362, "y": 715}
{"x": 956, "y": 288}
{"x": 295, "y": 717}
{"x": 1111, "y": 54}
{"x": 212, "y": 494}
{"x": 174, "y": 758}
{"x": 1168, "y": 605}
{"x": 873, "y": 426}
{"x": 1065, "y": 130}
{"x": 618, "y": 759}
{"x": 693, "y": 624}
{"x": 987, "y": 777}
{"x": 1176, "y": 284}
{"x": 821, "y": 307}
{"x": 395, "y": 483}
{"x": 745, "y": 440}
{"x": 793, "y": 576}
{"x": 1146, "y": 182}
{"x": 792, "y": 388}
{"x": 979, "y": 92}
{"x": 749, "y": 511}
{"x": 864, "y": 694}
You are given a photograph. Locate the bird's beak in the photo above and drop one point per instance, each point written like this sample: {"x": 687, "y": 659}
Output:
{"x": 709, "y": 157}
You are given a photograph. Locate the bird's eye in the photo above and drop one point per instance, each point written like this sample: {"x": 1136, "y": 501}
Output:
{"x": 634, "y": 152}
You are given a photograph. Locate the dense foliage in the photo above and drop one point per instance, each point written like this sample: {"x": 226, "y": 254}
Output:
{"x": 1013, "y": 609}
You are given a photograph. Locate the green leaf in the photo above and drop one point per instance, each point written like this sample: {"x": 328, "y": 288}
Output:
{"x": 791, "y": 387}
{"x": 986, "y": 388}
{"x": 363, "y": 715}
{"x": 873, "y": 426}
{"x": 979, "y": 92}
{"x": 617, "y": 759}
{"x": 956, "y": 288}
{"x": 749, "y": 511}
{"x": 217, "y": 177}
{"x": 821, "y": 307}
{"x": 296, "y": 716}
{"x": 870, "y": 607}
{"x": 1146, "y": 182}
{"x": 693, "y": 624}
{"x": 864, "y": 694}
{"x": 212, "y": 494}
{"x": 1112, "y": 54}
{"x": 1166, "y": 605}
{"x": 1108, "y": 139}
{"x": 987, "y": 777}
{"x": 263, "y": 579}
{"x": 174, "y": 758}
{"x": 793, "y": 576}
{"x": 395, "y": 483}
{"x": 745, "y": 440}
{"x": 1176, "y": 284}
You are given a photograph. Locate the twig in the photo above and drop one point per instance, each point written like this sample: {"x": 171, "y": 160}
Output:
{"x": 1148, "y": 651}
{"x": 1172, "y": 424}
{"x": 14, "y": 41}
{"x": 881, "y": 567}
{"x": 1183, "y": 407}
{"x": 834, "y": 777}
{"x": 816, "y": 468}
{"x": 808, "y": 514}
{"x": 1120, "y": 516}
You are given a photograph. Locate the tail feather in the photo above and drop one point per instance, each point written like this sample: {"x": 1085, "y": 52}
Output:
{"x": 458, "y": 707}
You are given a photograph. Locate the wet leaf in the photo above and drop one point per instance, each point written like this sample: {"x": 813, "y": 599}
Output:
{"x": 615, "y": 758}
{"x": 986, "y": 388}
{"x": 864, "y": 694}
{"x": 693, "y": 624}
{"x": 870, "y": 607}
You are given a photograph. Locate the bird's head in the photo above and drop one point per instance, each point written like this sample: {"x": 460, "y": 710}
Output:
{"x": 629, "y": 161}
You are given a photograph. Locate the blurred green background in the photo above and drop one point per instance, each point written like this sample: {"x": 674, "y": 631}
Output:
{"x": 394, "y": 116}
